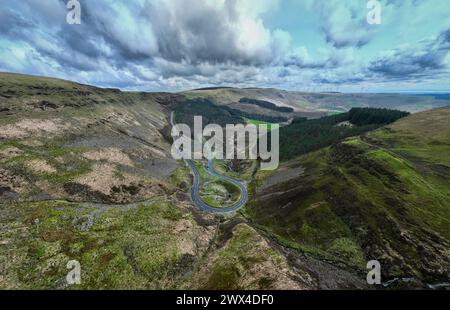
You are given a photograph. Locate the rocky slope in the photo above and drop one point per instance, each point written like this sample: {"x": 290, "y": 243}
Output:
{"x": 61, "y": 140}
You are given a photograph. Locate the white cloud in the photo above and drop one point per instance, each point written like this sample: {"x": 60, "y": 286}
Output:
{"x": 179, "y": 44}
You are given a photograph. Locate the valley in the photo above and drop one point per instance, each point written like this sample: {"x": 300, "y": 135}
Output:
{"x": 86, "y": 174}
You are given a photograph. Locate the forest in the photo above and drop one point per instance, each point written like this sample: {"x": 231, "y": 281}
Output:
{"x": 304, "y": 136}
{"x": 368, "y": 116}
{"x": 214, "y": 114}
{"x": 266, "y": 105}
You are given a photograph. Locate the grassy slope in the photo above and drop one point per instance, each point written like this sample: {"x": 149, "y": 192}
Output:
{"x": 21, "y": 93}
{"x": 127, "y": 248}
{"x": 382, "y": 196}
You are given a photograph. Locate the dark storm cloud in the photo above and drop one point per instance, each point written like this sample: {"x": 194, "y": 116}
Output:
{"x": 176, "y": 31}
{"x": 444, "y": 38}
{"x": 330, "y": 62}
{"x": 184, "y": 37}
{"x": 415, "y": 62}
{"x": 404, "y": 64}
{"x": 339, "y": 41}
{"x": 11, "y": 23}
{"x": 68, "y": 48}
{"x": 77, "y": 41}
{"x": 199, "y": 34}
{"x": 179, "y": 44}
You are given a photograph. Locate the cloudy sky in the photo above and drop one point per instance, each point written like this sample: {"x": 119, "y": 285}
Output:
{"x": 171, "y": 45}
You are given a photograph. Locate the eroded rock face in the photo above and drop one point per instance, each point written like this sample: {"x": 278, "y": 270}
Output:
{"x": 247, "y": 261}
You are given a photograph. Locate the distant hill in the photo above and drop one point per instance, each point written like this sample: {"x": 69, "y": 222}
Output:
{"x": 312, "y": 104}
{"x": 384, "y": 195}
{"x": 439, "y": 96}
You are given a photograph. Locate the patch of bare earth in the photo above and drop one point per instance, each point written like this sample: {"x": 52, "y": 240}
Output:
{"x": 32, "y": 143}
{"x": 28, "y": 127}
{"x": 102, "y": 178}
{"x": 109, "y": 185}
{"x": 40, "y": 166}
{"x": 111, "y": 155}
{"x": 192, "y": 239}
{"x": 10, "y": 182}
{"x": 146, "y": 151}
{"x": 54, "y": 190}
{"x": 256, "y": 266}
{"x": 10, "y": 153}
{"x": 280, "y": 176}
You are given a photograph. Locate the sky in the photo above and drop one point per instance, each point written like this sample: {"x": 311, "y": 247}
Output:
{"x": 174, "y": 45}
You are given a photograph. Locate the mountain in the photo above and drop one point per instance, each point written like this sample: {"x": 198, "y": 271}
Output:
{"x": 86, "y": 175}
{"x": 381, "y": 196}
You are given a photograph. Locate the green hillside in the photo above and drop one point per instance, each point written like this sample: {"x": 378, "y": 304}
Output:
{"x": 384, "y": 195}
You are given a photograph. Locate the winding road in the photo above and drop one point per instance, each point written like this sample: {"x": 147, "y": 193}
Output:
{"x": 195, "y": 195}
